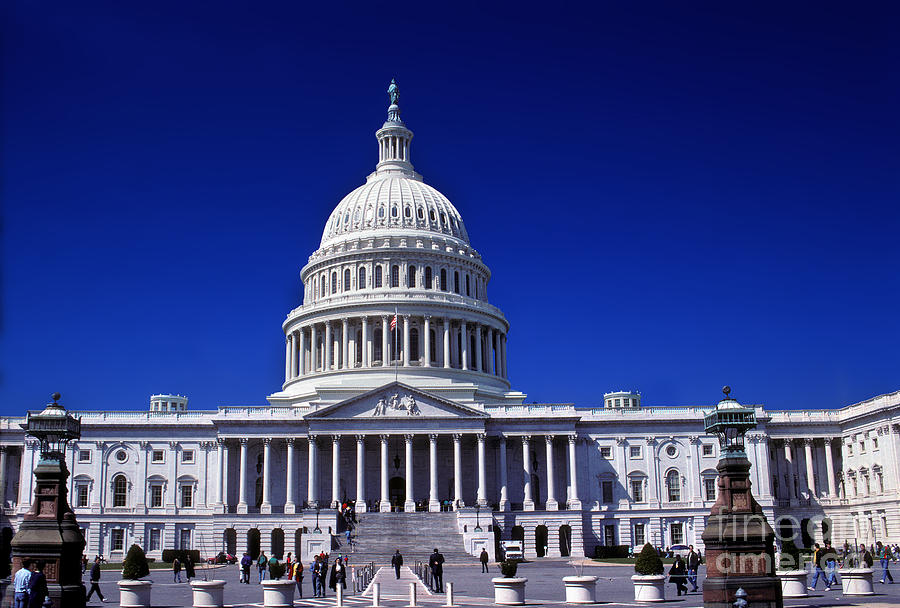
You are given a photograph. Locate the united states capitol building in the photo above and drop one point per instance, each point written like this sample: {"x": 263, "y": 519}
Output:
{"x": 396, "y": 397}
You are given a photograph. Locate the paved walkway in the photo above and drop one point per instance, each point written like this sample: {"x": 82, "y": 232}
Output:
{"x": 393, "y": 587}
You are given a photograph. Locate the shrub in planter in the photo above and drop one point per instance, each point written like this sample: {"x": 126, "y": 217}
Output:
{"x": 135, "y": 564}
{"x": 276, "y": 571}
{"x": 790, "y": 556}
{"x": 648, "y": 562}
{"x": 508, "y": 568}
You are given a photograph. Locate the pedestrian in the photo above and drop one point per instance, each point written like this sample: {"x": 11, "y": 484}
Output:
{"x": 246, "y": 562}
{"x": 830, "y": 558}
{"x": 297, "y": 575}
{"x": 693, "y": 565}
{"x": 176, "y": 570}
{"x": 287, "y": 563}
{"x": 884, "y": 556}
{"x": 261, "y": 564}
{"x": 866, "y": 556}
{"x": 20, "y": 585}
{"x": 340, "y": 572}
{"x": 396, "y": 562}
{"x": 95, "y": 581}
{"x": 37, "y": 586}
{"x": 678, "y": 575}
{"x": 273, "y": 561}
{"x": 818, "y": 570}
{"x": 349, "y": 540}
{"x": 323, "y": 577}
{"x": 189, "y": 568}
{"x": 484, "y": 557}
{"x": 436, "y": 563}
{"x": 84, "y": 563}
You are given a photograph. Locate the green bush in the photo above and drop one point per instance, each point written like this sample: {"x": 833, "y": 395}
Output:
{"x": 135, "y": 564}
{"x": 648, "y": 561}
{"x": 601, "y": 551}
{"x": 508, "y": 568}
{"x": 277, "y": 570}
{"x": 169, "y": 555}
{"x": 790, "y": 556}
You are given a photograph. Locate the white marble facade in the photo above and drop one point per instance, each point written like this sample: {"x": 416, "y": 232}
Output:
{"x": 422, "y": 416}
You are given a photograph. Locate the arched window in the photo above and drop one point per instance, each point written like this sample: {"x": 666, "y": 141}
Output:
{"x": 673, "y": 483}
{"x": 120, "y": 491}
{"x": 421, "y": 213}
{"x": 377, "y": 276}
{"x": 395, "y": 276}
{"x": 376, "y": 346}
{"x": 428, "y": 277}
{"x": 334, "y": 282}
{"x": 455, "y": 281}
{"x": 414, "y": 344}
{"x": 322, "y": 288}
{"x": 443, "y": 279}
{"x": 411, "y": 277}
{"x": 407, "y": 211}
{"x": 346, "y": 279}
{"x": 361, "y": 278}
{"x": 468, "y": 291}
{"x": 394, "y": 211}
{"x": 380, "y": 212}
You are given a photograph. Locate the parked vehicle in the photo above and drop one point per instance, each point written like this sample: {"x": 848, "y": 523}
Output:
{"x": 222, "y": 558}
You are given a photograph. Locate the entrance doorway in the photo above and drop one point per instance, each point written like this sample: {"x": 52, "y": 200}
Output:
{"x": 397, "y": 493}
{"x": 540, "y": 540}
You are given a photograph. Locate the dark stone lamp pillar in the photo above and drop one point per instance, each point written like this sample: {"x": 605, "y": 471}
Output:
{"x": 49, "y": 531}
{"x": 739, "y": 541}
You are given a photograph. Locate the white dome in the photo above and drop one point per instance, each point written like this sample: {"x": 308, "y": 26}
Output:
{"x": 391, "y": 203}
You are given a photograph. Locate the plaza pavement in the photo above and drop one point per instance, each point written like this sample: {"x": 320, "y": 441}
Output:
{"x": 471, "y": 588}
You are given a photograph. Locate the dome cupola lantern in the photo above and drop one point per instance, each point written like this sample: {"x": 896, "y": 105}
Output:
{"x": 393, "y": 141}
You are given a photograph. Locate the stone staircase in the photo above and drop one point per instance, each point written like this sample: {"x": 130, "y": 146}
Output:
{"x": 378, "y": 535}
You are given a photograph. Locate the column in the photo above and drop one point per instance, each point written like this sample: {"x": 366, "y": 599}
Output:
{"x": 504, "y": 486}
{"x": 489, "y": 364}
{"x": 478, "y": 345}
{"x": 288, "y": 357}
{"x": 498, "y": 368}
{"x": 326, "y": 362}
{"x": 434, "y": 504}
{"x": 242, "y": 480}
{"x": 457, "y": 471}
{"x": 385, "y": 497}
{"x": 313, "y": 349}
{"x": 810, "y": 475}
{"x": 289, "y": 505}
{"x": 385, "y": 342}
{"x": 312, "y": 483}
{"x": 405, "y": 340}
{"x": 345, "y": 351}
{"x": 574, "y": 502}
{"x": 221, "y": 481}
{"x": 464, "y": 353}
{"x": 427, "y": 341}
{"x": 481, "y": 497}
{"x": 789, "y": 462}
{"x": 446, "y": 343}
{"x": 361, "y": 473}
{"x": 266, "y": 506}
{"x": 829, "y": 469}
{"x": 3, "y": 451}
{"x": 410, "y": 504}
{"x": 528, "y": 502}
{"x": 335, "y": 470}
{"x": 552, "y": 504}
{"x": 366, "y": 347}
{"x": 301, "y": 354}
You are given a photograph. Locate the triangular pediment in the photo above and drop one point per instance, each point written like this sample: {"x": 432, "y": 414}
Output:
{"x": 397, "y": 400}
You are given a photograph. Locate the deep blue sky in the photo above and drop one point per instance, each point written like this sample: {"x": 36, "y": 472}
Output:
{"x": 670, "y": 197}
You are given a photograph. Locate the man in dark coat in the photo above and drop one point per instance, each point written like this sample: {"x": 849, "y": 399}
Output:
{"x": 37, "y": 586}
{"x": 396, "y": 562}
{"x": 484, "y": 557}
{"x": 693, "y": 565}
{"x": 436, "y": 563}
{"x": 95, "y": 581}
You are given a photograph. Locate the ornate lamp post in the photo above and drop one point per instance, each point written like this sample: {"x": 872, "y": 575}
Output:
{"x": 477, "y": 517}
{"x": 739, "y": 541}
{"x": 49, "y": 531}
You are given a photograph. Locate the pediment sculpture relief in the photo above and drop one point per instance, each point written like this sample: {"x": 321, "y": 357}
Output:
{"x": 407, "y": 404}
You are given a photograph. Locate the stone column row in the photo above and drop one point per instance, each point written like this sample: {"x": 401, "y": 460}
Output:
{"x": 790, "y": 475}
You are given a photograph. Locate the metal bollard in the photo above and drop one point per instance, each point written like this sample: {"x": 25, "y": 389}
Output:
{"x": 376, "y": 595}
{"x": 449, "y": 588}
{"x": 339, "y": 596}
{"x": 412, "y": 594}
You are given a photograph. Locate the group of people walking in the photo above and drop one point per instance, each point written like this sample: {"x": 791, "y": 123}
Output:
{"x": 188, "y": 566}
{"x": 30, "y": 585}
{"x": 684, "y": 571}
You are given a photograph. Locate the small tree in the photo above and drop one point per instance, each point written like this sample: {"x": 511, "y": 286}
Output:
{"x": 277, "y": 569}
{"x": 508, "y": 568}
{"x": 648, "y": 562}
{"x": 135, "y": 564}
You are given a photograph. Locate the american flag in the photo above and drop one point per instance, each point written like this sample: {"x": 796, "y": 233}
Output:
{"x": 394, "y": 323}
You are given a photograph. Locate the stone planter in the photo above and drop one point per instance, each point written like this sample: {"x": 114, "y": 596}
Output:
{"x": 509, "y": 591}
{"x": 208, "y": 594}
{"x": 136, "y": 594}
{"x": 580, "y": 589}
{"x": 649, "y": 587}
{"x": 857, "y": 581}
{"x": 278, "y": 594}
{"x": 793, "y": 583}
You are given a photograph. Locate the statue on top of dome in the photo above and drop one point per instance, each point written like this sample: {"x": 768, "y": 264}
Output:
{"x": 394, "y": 92}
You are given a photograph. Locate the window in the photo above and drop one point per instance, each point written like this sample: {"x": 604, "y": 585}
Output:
{"x": 81, "y": 495}
{"x": 676, "y": 531}
{"x": 850, "y": 449}
{"x": 673, "y": 483}
{"x": 634, "y": 451}
{"x": 862, "y": 447}
{"x": 607, "y": 487}
{"x": 187, "y": 456}
{"x": 455, "y": 281}
{"x": 468, "y": 291}
{"x": 443, "y": 279}
{"x": 609, "y": 535}
{"x": 637, "y": 490}
{"x": 707, "y": 449}
{"x": 709, "y": 488}
{"x": 334, "y": 282}
{"x": 879, "y": 477}
{"x": 117, "y": 539}
{"x": 394, "y": 211}
{"x": 159, "y": 456}
{"x": 346, "y": 279}
{"x": 428, "y": 277}
{"x": 874, "y": 443}
{"x": 154, "y": 543}
{"x": 120, "y": 491}
{"x": 185, "y": 539}
{"x": 361, "y": 278}
{"x": 421, "y": 213}
{"x": 377, "y": 276}
{"x": 376, "y": 346}
{"x": 639, "y": 537}
{"x": 414, "y": 344}
{"x": 84, "y": 455}
{"x": 671, "y": 451}
{"x": 411, "y": 277}
{"x": 121, "y": 455}
{"x": 606, "y": 452}
{"x": 322, "y": 283}
{"x": 187, "y": 496}
{"x": 407, "y": 212}
{"x": 156, "y": 495}
{"x": 395, "y": 276}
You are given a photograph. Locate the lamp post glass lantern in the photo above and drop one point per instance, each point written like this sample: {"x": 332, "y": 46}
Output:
{"x": 730, "y": 421}
{"x": 318, "y": 529}
{"x": 54, "y": 427}
{"x": 477, "y": 517}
